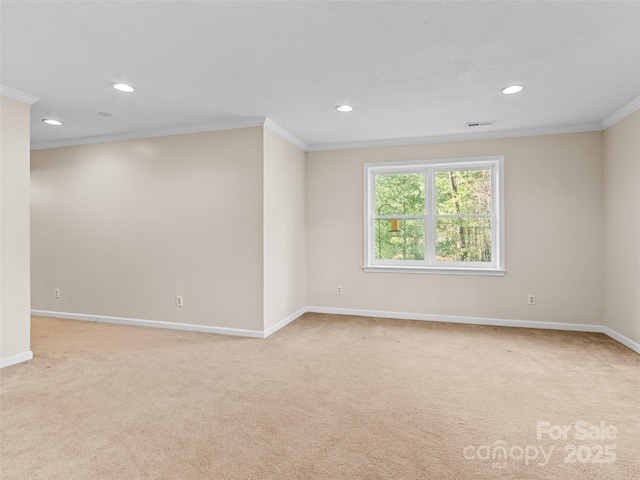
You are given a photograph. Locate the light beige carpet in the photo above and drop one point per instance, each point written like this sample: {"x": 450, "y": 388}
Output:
{"x": 327, "y": 397}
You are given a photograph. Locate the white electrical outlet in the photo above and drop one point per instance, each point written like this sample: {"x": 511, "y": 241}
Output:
{"x": 179, "y": 301}
{"x": 56, "y": 293}
{"x": 532, "y": 299}
{"x": 338, "y": 289}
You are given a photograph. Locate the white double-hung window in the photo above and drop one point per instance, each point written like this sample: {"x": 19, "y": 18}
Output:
{"x": 435, "y": 216}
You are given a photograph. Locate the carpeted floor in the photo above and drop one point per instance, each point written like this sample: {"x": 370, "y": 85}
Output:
{"x": 327, "y": 397}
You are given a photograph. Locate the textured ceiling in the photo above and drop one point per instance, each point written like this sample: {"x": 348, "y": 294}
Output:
{"x": 412, "y": 70}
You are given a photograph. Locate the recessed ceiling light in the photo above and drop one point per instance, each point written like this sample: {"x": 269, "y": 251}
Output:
{"x": 123, "y": 87}
{"x": 50, "y": 121}
{"x": 344, "y": 108}
{"x": 511, "y": 89}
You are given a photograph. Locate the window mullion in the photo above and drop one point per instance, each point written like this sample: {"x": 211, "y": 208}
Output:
{"x": 429, "y": 221}
{"x": 371, "y": 217}
{"x": 495, "y": 238}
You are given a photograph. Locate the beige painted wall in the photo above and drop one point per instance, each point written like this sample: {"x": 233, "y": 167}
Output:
{"x": 237, "y": 220}
{"x": 285, "y": 258}
{"x": 554, "y": 242}
{"x": 121, "y": 228}
{"x": 14, "y": 229}
{"x": 622, "y": 227}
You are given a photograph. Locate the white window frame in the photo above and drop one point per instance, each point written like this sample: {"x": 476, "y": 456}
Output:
{"x": 496, "y": 267}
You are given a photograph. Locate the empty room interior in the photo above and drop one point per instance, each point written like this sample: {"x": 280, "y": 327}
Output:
{"x": 320, "y": 240}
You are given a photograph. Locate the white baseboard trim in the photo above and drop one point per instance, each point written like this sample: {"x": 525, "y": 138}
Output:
{"x": 285, "y": 322}
{"x": 151, "y": 323}
{"x": 67, "y": 316}
{"x": 576, "y": 327}
{"x": 21, "y": 357}
{"x": 498, "y": 322}
{"x": 627, "y": 342}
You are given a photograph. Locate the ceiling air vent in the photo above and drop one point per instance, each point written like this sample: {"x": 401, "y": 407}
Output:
{"x": 480, "y": 124}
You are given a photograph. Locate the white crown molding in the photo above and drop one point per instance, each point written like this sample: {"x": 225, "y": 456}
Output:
{"x": 277, "y": 129}
{"x": 21, "y": 357}
{"x": 274, "y": 127}
{"x": 18, "y": 95}
{"x": 618, "y": 115}
{"x": 462, "y": 137}
{"x": 162, "y": 132}
{"x": 211, "y": 127}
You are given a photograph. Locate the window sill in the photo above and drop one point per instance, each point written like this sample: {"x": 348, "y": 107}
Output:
{"x": 488, "y": 272}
